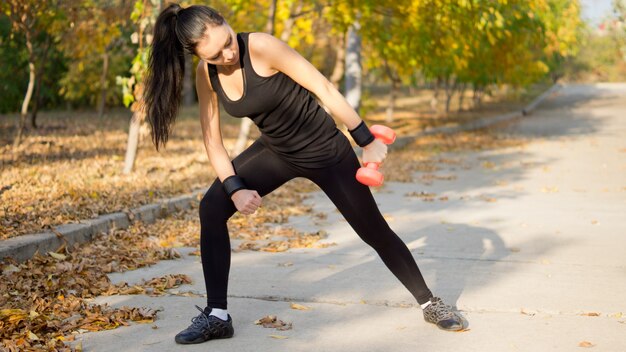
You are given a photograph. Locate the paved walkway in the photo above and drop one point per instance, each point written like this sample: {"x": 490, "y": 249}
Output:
{"x": 530, "y": 242}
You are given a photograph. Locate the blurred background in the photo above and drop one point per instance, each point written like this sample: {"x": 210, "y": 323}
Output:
{"x": 82, "y": 50}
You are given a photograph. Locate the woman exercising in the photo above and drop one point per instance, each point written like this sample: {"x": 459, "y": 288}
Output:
{"x": 259, "y": 76}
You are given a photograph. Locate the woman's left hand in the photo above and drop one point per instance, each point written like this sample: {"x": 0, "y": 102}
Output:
{"x": 374, "y": 152}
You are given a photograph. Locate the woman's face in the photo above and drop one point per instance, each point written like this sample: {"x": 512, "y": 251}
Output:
{"x": 219, "y": 46}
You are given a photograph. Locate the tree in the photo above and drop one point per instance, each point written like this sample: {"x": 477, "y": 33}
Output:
{"x": 144, "y": 16}
{"x": 31, "y": 18}
{"x": 388, "y": 50}
{"x": 95, "y": 31}
{"x": 563, "y": 30}
{"x": 619, "y": 8}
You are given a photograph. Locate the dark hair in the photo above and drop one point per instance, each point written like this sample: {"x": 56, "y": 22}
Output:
{"x": 177, "y": 31}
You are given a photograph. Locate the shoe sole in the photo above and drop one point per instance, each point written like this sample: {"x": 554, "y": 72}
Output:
{"x": 201, "y": 340}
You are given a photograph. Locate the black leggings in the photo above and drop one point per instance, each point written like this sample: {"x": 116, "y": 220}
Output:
{"x": 263, "y": 170}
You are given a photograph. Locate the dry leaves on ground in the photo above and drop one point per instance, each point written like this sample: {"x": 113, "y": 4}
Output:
{"x": 299, "y": 307}
{"x": 46, "y": 296}
{"x": 271, "y": 321}
{"x": 586, "y": 344}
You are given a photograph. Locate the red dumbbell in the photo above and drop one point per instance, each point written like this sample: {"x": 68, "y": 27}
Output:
{"x": 369, "y": 175}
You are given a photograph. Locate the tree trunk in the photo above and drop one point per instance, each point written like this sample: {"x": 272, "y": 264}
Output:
{"x": 36, "y": 99}
{"x": 477, "y": 98}
{"x": 39, "y": 73}
{"x": 461, "y": 96}
{"x": 29, "y": 92}
{"x": 103, "y": 82}
{"x": 393, "y": 93}
{"x": 271, "y": 20}
{"x": 450, "y": 88}
{"x": 291, "y": 20}
{"x": 242, "y": 139}
{"x": 188, "y": 96}
{"x": 133, "y": 142}
{"x": 353, "y": 67}
{"x": 434, "y": 101}
{"x": 340, "y": 62}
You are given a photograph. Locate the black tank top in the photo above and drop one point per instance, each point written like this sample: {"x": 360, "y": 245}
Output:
{"x": 291, "y": 122}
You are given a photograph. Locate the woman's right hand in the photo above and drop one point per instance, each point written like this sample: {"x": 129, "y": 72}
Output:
{"x": 246, "y": 201}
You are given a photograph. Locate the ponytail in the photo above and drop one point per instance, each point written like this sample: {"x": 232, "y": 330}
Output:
{"x": 176, "y": 32}
{"x": 164, "y": 80}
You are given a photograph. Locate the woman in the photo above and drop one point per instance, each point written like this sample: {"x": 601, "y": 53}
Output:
{"x": 259, "y": 76}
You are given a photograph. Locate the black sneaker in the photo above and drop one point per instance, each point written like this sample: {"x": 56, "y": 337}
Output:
{"x": 206, "y": 327}
{"x": 442, "y": 315}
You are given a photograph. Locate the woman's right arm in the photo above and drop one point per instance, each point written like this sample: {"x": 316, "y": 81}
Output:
{"x": 210, "y": 124}
{"x": 246, "y": 201}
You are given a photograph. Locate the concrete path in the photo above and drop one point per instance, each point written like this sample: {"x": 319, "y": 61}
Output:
{"x": 530, "y": 246}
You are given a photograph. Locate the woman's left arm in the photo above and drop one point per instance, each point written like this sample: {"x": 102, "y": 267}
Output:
{"x": 281, "y": 57}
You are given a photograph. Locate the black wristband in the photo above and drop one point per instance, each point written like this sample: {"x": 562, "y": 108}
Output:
{"x": 233, "y": 184}
{"x": 362, "y": 135}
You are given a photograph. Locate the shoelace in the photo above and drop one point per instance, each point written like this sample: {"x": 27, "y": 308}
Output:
{"x": 442, "y": 310}
{"x": 200, "y": 321}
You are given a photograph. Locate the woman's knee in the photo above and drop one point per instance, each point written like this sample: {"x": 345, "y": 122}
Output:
{"x": 376, "y": 235}
{"x": 215, "y": 205}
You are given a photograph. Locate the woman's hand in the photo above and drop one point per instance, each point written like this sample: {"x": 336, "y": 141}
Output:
{"x": 246, "y": 201}
{"x": 374, "y": 152}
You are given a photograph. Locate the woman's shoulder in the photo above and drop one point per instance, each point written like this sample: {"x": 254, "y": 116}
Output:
{"x": 262, "y": 48}
{"x": 260, "y": 42}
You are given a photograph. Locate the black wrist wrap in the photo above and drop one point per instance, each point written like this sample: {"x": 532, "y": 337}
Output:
{"x": 233, "y": 184}
{"x": 362, "y": 135}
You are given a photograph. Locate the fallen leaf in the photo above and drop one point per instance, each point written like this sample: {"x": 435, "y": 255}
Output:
{"x": 58, "y": 256}
{"x": 488, "y": 199}
{"x": 10, "y": 269}
{"x": 279, "y": 337}
{"x": 550, "y": 189}
{"x": 591, "y": 314}
{"x": 585, "y": 344}
{"x": 271, "y": 321}
{"x": 299, "y": 307}
{"x": 488, "y": 165}
{"x": 425, "y": 196}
